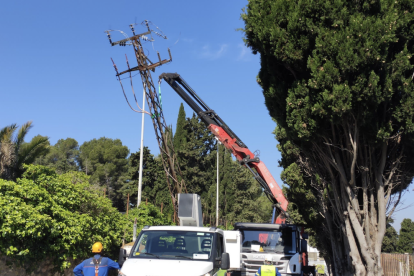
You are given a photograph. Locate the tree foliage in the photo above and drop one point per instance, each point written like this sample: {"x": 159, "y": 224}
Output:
{"x": 62, "y": 156}
{"x": 146, "y": 214}
{"x": 14, "y": 151}
{"x": 390, "y": 241}
{"x": 240, "y": 197}
{"x": 337, "y": 78}
{"x": 44, "y": 215}
{"x": 154, "y": 185}
{"x": 249, "y": 202}
{"x": 406, "y": 237}
{"x": 104, "y": 159}
{"x": 197, "y": 162}
{"x": 180, "y": 133}
{"x": 58, "y": 209}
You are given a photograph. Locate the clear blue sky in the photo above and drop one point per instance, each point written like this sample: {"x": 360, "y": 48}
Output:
{"x": 56, "y": 70}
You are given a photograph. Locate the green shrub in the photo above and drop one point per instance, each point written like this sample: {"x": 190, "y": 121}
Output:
{"x": 44, "y": 215}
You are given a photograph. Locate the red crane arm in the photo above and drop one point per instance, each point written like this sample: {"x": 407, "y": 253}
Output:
{"x": 241, "y": 155}
{"x": 230, "y": 140}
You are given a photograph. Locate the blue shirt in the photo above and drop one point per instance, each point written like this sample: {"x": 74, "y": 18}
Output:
{"x": 88, "y": 267}
{"x": 259, "y": 273}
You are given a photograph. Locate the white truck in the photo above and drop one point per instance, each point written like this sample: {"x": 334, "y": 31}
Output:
{"x": 188, "y": 249}
{"x": 177, "y": 250}
{"x": 191, "y": 249}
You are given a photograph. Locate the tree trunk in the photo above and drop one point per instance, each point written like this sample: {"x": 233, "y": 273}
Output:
{"x": 353, "y": 196}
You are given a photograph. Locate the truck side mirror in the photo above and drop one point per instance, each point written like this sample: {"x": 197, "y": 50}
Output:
{"x": 122, "y": 256}
{"x": 225, "y": 261}
{"x": 305, "y": 236}
{"x": 303, "y": 246}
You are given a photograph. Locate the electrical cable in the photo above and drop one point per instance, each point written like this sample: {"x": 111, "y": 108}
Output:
{"x": 161, "y": 34}
{"x": 123, "y": 91}
{"x": 176, "y": 41}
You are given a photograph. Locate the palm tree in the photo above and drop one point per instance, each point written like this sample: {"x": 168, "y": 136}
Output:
{"x": 14, "y": 152}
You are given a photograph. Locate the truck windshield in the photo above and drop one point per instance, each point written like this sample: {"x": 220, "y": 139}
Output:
{"x": 278, "y": 241}
{"x": 174, "y": 244}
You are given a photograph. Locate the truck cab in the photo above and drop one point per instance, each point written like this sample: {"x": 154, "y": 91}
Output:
{"x": 172, "y": 250}
{"x": 188, "y": 249}
{"x": 282, "y": 241}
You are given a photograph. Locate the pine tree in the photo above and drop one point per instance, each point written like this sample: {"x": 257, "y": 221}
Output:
{"x": 62, "y": 156}
{"x": 105, "y": 160}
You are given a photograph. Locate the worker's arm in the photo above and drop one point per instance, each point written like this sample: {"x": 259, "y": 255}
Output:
{"x": 258, "y": 273}
{"x": 78, "y": 270}
{"x": 112, "y": 264}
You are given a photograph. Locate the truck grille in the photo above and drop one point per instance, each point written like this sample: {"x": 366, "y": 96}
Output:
{"x": 250, "y": 267}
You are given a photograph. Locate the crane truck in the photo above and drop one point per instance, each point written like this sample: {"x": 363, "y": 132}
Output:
{"x": 182, "y": 249}
{"x": 286, "y": 242}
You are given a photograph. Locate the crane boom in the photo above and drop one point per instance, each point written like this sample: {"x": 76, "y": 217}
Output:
{"x": 230, "y": 140}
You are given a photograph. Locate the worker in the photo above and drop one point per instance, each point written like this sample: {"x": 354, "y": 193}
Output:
{"x": 268, "y": 269}
{"x": 97, "y": 265}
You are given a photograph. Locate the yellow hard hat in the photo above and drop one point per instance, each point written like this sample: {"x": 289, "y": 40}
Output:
{"x": 97, "y": 247}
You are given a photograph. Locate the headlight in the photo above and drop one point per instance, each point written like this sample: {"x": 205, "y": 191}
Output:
{"x": 121, "y": 274}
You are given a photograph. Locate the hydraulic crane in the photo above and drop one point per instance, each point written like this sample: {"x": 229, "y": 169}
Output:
{"x": 230, "y": 140}
{"x": 242, "y": 153}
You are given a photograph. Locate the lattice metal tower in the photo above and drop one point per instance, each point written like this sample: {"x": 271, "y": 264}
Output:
{"x": 174, "y": 177}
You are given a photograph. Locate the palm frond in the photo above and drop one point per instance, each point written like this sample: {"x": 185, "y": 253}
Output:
{"x": 6, "y": 133}
{"x": 28, "y": 152}
{"x": 24, "y": 129}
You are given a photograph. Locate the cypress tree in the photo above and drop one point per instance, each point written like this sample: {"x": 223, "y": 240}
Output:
{"x": 406, "y": 238}
{"x": 337, "y": 79}
{"x": 390, "y": 241}
{"x": 197, "y": 164}
{"x": 180, "y": 132}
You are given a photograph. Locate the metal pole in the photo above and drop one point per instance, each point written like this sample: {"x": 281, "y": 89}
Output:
{"x": 274, "y": 214}
{"x": 134, "y": 230}
{"x": 141, "y": 154}
{"x": 217, "y": 197}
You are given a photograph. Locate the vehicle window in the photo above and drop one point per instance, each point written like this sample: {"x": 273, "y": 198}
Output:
{"x": 280, "y": 241}
{"x": 174, "y": 244}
